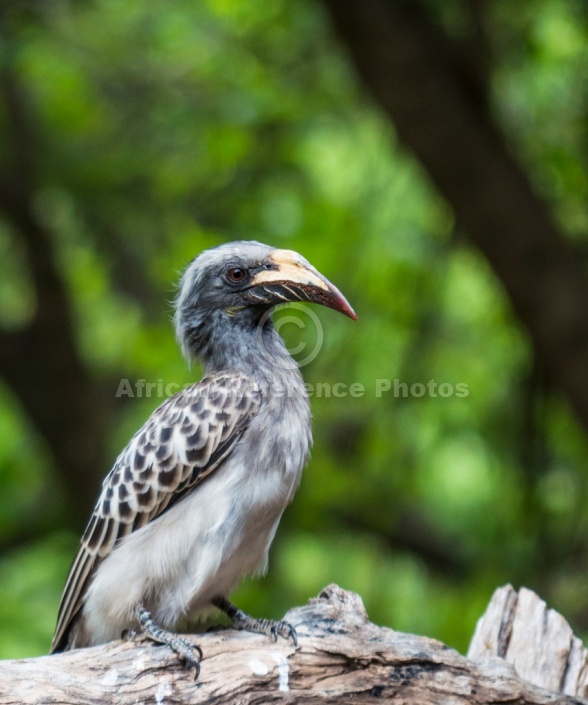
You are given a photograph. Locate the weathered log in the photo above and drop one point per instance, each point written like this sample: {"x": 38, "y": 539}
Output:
{"x": 537, "y": 641}
{"x": 341, "y": 657}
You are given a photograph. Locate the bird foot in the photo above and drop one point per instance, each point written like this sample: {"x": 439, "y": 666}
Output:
{"x": 269, "y": 627}
{"x": 182, "y": 647}
{"x": 133, "y": 635}
{"x": 242, "y": 621}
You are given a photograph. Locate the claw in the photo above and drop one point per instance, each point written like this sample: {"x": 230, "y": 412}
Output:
{"x": 191, "y": 661}
{"x": 129, "y": 634}
{"x": 182, "y": 647}
{"x": 267, "y": 626}
{"x": 293, "y": 635}
{"x": 283, "y": 629}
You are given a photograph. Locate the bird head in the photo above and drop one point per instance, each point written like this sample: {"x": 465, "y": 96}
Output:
{"x": 237, "y": 283}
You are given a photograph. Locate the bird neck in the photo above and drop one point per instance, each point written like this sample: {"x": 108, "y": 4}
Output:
{"x": 223, "y": 344}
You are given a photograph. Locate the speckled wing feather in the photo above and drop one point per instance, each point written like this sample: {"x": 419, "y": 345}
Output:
{"x": 183, "y": 441}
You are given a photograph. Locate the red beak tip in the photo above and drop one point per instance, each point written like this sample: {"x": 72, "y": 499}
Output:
{"x": 347, "y": 310}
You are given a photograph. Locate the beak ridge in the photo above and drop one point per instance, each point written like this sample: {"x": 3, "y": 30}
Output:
{"x": 294, "y": 279}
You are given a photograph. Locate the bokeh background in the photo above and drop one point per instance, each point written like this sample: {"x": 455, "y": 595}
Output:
{"x": 134, "y": 134}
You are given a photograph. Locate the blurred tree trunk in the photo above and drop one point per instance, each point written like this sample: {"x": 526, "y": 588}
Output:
{"x": 40, "y": 361}
{"x": 436, "y": 92}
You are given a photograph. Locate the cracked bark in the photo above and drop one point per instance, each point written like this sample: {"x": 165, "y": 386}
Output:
{"x": 341, "y": 657}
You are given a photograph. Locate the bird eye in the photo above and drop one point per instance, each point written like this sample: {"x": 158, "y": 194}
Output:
{"x": 236, "y": 274}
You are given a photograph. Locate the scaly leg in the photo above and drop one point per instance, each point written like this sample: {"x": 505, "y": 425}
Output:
{"x": 183, "y": 648}
{"x": 243, "y": 621}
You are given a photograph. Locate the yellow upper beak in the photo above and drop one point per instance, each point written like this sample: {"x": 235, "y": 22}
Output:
{"x": 294, "y": 279}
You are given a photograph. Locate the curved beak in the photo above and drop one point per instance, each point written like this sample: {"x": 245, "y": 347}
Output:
{"x": 292, "y": 278}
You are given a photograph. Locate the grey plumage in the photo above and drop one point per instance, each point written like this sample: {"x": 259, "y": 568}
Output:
{"x": 193, "y": 502}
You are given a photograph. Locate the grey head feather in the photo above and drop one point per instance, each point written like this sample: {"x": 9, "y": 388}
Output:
{"x": 209, "y": 330}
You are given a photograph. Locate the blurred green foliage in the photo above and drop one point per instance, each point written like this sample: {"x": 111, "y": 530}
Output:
{"x": 165, "y": 128}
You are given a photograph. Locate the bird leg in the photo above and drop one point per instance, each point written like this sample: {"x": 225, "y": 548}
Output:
{"x": 240, "y": 620}
{"x": 183, "y": 648}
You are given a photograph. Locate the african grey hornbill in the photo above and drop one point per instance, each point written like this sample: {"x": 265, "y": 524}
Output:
{"x": 193, "y": 502}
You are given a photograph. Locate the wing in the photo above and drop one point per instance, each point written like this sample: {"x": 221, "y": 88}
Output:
{"x": 184, "y": 440}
